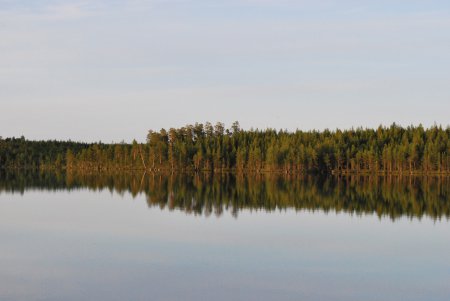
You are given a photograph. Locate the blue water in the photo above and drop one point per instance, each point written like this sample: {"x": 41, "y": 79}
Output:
{"x": 98, "y": 245}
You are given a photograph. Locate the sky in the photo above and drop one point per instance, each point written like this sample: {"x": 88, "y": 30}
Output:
{"x": 111, "y": 70}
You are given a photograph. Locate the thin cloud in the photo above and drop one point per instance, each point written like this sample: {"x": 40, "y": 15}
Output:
{"x": 48, "y": 11}
{"x": 67, "y": 11}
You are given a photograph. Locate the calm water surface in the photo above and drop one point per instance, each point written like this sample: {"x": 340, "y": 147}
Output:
{"x": 147, "y": 237}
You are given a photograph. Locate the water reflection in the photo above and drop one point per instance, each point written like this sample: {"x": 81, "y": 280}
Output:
{"x": 204, "y": 194}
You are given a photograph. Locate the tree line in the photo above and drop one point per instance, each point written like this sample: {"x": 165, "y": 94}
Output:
{"x": 215, "y": 148}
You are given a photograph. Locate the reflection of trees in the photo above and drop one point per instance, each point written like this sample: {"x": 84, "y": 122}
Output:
{"x": 206, "y": 195}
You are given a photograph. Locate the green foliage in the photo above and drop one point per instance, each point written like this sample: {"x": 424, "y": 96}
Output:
{"x": 387, "y": 150}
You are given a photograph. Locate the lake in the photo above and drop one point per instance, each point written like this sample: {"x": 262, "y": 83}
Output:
{"x": 140, "y": 236}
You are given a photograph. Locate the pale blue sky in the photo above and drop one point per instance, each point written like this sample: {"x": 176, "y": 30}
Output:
{"x": 111, "y": 70}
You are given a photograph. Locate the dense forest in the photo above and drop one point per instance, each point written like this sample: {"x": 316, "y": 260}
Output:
{"x": 204, "y": 147}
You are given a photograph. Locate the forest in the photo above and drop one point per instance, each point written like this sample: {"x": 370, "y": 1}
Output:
{"x": 392, "y": 150}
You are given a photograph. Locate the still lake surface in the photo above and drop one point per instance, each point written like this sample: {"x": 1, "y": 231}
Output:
{"x": 196, "y": 237}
